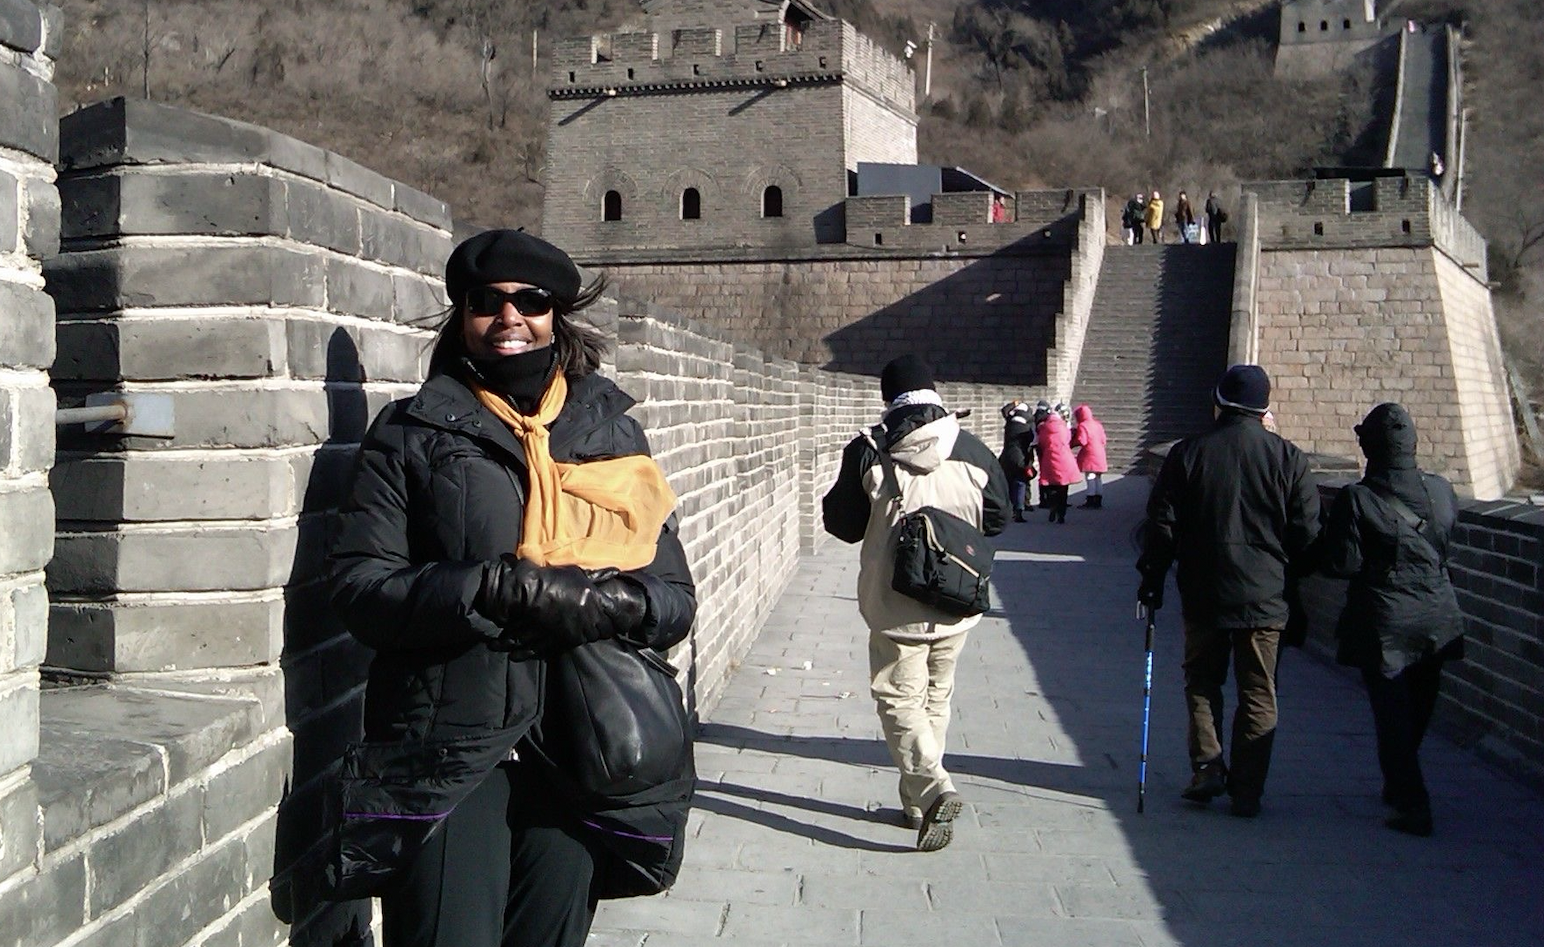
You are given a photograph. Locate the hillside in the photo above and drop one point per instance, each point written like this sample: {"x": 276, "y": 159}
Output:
{"x": 1024, "y": 92}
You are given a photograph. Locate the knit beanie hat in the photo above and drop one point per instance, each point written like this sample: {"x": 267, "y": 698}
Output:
{"x": 1245, "y": 387}
{"x": 513, "y": 256}
{"x": 907, "y": 373}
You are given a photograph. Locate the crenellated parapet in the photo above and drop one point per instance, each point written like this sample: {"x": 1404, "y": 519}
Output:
{"x": 1397, "y": 211}
{"x": 1329, "y": 21}
{"x": 712, "y": 58}
{"x": 962, "y": 220}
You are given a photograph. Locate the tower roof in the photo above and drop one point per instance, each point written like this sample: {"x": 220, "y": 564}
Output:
{"x": 708, "y": 12}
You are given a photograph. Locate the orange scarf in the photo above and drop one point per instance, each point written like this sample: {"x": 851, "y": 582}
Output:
{"x": 592, "y": 515}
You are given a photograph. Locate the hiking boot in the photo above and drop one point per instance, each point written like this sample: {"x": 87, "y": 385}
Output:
{"x": 938, "y": 822}
{"x": 911, "y": 818}
{"x": 1415, "y": 821}
{"x": 1018, "y": 516}
{"x": 1245, "y": 807}
{"x": 1209, "y": 782}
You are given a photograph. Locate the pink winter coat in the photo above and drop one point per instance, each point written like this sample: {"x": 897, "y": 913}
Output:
{"x": 1089, "y": 440}
{"x": 1057, "y": 465}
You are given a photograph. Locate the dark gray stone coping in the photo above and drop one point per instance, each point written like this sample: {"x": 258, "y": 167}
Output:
{"x": 101, "y": 748}
{"x": 134, "y": 131}
{"x": 21, "y": 25}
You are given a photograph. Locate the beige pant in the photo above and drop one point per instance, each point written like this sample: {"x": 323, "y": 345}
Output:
{"x": 912, "y": 684}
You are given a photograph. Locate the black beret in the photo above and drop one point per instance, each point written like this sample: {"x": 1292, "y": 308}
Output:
{"x": 510, "y": 256}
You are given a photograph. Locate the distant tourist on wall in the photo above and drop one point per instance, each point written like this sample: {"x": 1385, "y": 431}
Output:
{"x": 1017, "y": 457}
{"x": 1390, "y": 534}
{"x": 913, "y": 647}
{"x": 1131, "y": 219}
{"x": 1088, "y": 438}
{"x": 1058, "y": 467}
{"x": 1437, "y": 167}
{"x": 1185, "y": 219}
{"x": 1238, "y": 510}
{"x": 1215, "y": 218}
{"x": 999, "y": 213}
{"x": 479, "y": 543}
{"x": 1153, "y": 217}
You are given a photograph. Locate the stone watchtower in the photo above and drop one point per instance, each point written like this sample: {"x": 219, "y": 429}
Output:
{"x": 1324, "y": 36}
{"x": 735, "y": 123}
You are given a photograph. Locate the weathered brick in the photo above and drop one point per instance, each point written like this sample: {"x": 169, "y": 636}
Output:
{"x": 239, "y": 274}
{"x": 19, "y": 816}
{"x": 128, "y": 860}
{"x": 26, "y": 104}
{"x": 86, "y": 778}
{"x": 358, "y": 290}
{"x": 10, "y": 211}
{"x": 41, "y": 233}
{"x": 269, "y": 417}
{"x": 29, "y": 611}
{"x": 45, "y": 908}
{"x": 323, "y": 217}
{"x": 144, "y": 487}
{"x": 165, "y": 635}
{"x": 21, "y": 25}
{"x": 173, "y": 559}
{"x": 170, "y": 349}
{"x": 27, "y": 331}
{"x": 27, "y": 523}
{"x": 132, "y": 202}
{"x": 137, "y": 131}
{"x": 19, "y": 709}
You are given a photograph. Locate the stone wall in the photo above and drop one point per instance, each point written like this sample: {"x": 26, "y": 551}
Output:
{"x": 29, "y": 215}
{"x": 1493, "y": 700}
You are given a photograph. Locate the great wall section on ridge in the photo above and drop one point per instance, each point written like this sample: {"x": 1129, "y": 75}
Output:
{"x": 173, "y": 689}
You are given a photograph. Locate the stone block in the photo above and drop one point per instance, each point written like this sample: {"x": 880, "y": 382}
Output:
{"x": 19, "y": 816}
{"x": 53, "y": 30}
{"x": 196, "y": 896}
{"x": 27, "y": 523}
{"x": 86, "y": 779}
{"x": 27, "y": 105}
{"x": 127, "y": 861}
{"x": 354, "y": 178}
{"x": 420, "y": 206}
{"x": 418, "y": 301}
{"x": 155, "y": 204}
{"x": 391, "y": 239}
{"x": 136, "y": 131}
{"x": 19, "y": 710}
{"x": 44, "y": 908}
{"x": 396, "y": 356}
{"x": 10, "y": 211}
{"x": 243, "y": 791}
{"x": 40, "y": 234}
{"x": 29, "y": 612}
{"x": 358, "y": 290}
{"x": 27, "y": 444}
{"x": 323, "y": 217}
{"x": 170, "y": 349}
{"x": 27, "y": 328}
{"x": 137, "y": 276}
{"x": 21, "y": 28}
{"x": 172, "y": 559}
{"x": 143, "y": 487}
{"x": 165, "y": 635}
{"x": 240, "y": 418}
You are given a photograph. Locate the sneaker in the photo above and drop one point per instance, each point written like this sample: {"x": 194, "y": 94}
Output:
{"x": 1209, "y": 782}
{"x": 1245, "y": 807}
{"x": 1411, "y": 822}
{"x": 911, "y": 818}
{"x": 937, "y": 828}
{"x": 1018, "y": 516}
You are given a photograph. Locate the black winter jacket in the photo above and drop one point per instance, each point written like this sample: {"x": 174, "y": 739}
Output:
{"x": 1018, "y": 446}
{"x": 438, "y": 493}
{"x": 1238, "y": 509}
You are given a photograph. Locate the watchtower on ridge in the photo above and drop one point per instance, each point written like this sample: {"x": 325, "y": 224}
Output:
{"x": 1323, "y": 36}
{"x": 726, "y": 124}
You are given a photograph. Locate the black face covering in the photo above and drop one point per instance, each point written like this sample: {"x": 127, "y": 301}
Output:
{"x": 1387, "y": 436}
{"x": 522, "y": 377}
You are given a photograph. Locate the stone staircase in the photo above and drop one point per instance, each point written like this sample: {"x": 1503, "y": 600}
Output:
{"x": 1157, "y": 341}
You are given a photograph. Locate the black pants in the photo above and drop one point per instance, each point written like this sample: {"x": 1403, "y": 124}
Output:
{"x": 1054, "y": 498}
{"x": 1213, "y": 230}
{"x": 507, "y": 869}
{"x": 1401, "y": 711}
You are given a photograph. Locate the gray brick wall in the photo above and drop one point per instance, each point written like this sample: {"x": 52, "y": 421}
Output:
{"x": 29, "y": 227}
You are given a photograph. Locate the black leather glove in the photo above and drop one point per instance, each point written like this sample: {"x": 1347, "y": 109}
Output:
{"x": 1150, "y": 593}
{"x": 548, "y": 609}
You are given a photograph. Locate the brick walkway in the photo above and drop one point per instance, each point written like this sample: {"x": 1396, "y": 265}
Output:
{"x": 795, "y": 839}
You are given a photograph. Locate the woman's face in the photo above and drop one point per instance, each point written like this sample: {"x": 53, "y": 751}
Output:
{"x": 502, "y": 319}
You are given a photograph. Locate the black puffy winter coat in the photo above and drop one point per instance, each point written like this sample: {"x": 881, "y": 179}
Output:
{"x": 1400, "y": 603}
{"x": 439, "y": 494}
{"x": 1238, "y": 509}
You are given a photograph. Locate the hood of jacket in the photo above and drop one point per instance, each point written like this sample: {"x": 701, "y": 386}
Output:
{"x": 1083, "y": 413}
{"x": 1387, "y": 437}
{"x": 921, "y": 440}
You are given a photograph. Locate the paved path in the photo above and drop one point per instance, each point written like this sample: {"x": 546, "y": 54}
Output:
{"x": 795, "y": 839}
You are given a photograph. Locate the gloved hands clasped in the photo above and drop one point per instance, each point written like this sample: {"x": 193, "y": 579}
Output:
{"x": 545, "y": 610}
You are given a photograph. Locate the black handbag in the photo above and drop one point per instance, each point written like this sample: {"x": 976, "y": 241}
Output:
{"x": 613, "y": 722}
{"x": 941, "y": 560}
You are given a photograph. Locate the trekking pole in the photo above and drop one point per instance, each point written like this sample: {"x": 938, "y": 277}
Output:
{"x": 1147, "y": 706}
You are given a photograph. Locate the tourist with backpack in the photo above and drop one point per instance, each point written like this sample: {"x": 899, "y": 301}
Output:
{"x": 1215, "y": 218}
{"x": 917, "y": 457}
{"x": 1391, "y": 535}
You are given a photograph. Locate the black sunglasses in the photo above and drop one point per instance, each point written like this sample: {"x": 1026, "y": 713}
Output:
{"x": 487, "y": 301}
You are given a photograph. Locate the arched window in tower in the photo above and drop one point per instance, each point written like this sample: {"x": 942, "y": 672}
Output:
{"x": 772, "y": 201}
{"x": 1324, "y": 26}
{"x": 611, "y": 206}
{"x": 691, "y": 204}
{"x": 1302, "y": 27}
{"x": 1345, "y": 24}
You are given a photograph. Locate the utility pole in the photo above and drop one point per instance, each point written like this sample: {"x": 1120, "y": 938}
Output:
{"x": 1147, "y": 109}
{"x": 927, "y": 76}
{"x": 145, "y": 73}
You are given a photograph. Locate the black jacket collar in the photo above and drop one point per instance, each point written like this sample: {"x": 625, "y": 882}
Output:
{"x": 447, "y": 403}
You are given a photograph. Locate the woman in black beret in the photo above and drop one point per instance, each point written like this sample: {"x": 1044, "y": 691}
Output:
{"x": 1390, "y": 534}
{"x": 502, "y": 520}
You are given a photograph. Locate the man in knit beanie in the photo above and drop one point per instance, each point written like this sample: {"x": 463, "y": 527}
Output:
{"x": 1216, "y": 510}
{"x": 913, "y": 647}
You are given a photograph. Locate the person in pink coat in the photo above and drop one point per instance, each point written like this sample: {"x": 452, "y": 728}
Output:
{"x": 1058, "y": 468}
{"x": 1088, "y": 438}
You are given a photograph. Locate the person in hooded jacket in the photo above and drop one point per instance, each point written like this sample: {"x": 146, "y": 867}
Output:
{"x": 1016, "y": 458}
{"x": 913, "y": 647}
{"x": 505, "y": 513}
{"x": 1237, "y": 508}
{"x": 1089, "y": 439}
{"x": 1390, "y": 534}
{"x": 1058, "y": 468}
